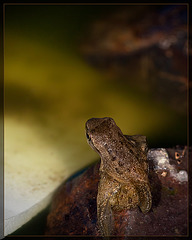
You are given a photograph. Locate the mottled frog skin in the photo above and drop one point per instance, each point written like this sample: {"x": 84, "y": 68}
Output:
{"x": 124, "y": 180}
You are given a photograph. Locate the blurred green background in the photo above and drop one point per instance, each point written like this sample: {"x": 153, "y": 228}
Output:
{"x": 49, "y": 84}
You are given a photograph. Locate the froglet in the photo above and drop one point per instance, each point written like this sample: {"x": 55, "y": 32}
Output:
{"x": 123, "y": 171}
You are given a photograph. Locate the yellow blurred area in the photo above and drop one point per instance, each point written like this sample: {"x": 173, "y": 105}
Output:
{"x": 68, "y": 90}
{"x": 58, "y": 92}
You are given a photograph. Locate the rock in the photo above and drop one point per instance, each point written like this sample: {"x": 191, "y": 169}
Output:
{"x": 73, "y": 210}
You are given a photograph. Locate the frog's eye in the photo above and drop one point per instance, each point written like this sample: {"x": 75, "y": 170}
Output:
{"x": 88, "y": 137}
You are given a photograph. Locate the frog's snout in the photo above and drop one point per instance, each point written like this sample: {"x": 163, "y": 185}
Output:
{"x": 93, "y": 123}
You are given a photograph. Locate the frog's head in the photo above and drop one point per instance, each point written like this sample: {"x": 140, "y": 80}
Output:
{"x": 98, "y": 130}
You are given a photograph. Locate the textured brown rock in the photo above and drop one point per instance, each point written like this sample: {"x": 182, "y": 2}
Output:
{"x": 73, "y": 210}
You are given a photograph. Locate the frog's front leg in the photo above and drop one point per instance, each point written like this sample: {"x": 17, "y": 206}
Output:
{"x": 107, "y": 190}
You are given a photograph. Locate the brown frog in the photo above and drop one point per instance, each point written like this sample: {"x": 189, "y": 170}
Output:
{"x": 124, "y": 180}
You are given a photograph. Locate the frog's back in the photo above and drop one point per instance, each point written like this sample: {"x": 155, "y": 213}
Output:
{"x": 130, "y": 166}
